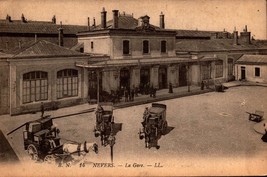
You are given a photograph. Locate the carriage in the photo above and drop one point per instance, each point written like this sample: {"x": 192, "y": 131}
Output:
{"x": 42, "y": 143}
{"x": 104, "y": 122}
{"x": 154, "y": 125}
{"x": 41, "y": 140}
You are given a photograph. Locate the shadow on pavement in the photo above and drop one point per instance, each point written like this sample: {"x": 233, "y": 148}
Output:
{"x": 117, "y": 127}
{"x": 7, "y": 154}
{"x": 169, "y": 129}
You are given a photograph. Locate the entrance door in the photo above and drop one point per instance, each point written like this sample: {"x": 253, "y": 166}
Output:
{"x": 243, "y": 72}
{"x": 144, "y": 78}
{"x": 125, "y": 78}
{"x": 163, "y": 77}
{"x": 92, "y": 90}
{"x": 182, "y": 75}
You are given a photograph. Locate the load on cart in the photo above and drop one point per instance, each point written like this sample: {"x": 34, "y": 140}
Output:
{"x": 154, "y": 125}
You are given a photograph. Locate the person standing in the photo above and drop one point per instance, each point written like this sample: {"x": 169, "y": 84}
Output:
{"x": 170, "y": 88}
{"x": 126, "y": 94}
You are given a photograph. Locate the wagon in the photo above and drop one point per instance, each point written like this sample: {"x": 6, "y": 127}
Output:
{"x": 104, "y": 121}
{"x": 257, "y": 116}
{"x": 154, "y": 125}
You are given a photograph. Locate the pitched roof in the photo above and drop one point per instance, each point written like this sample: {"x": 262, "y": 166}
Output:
{"x": 38, "y": 27}
{"x": 42, "y": 49}
{"x": 214, "y": 45}
{"x": 124, "y": 22}
{"x": 252, "y": 59}
{"x": 193, "y": 33}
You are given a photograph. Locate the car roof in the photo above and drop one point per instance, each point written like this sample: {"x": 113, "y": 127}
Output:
{"x": 156, "y": 110}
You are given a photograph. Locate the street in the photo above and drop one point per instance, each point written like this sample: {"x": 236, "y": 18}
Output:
{"x": 209, "y": 134}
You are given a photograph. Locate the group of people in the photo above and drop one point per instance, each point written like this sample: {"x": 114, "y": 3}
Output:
{"x": 129, "y": 94}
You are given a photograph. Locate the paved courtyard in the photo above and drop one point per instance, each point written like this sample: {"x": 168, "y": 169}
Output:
{"x": 210, "y": 135}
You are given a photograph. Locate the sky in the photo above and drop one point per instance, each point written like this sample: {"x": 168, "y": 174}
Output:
{"x": 210, "y": 15}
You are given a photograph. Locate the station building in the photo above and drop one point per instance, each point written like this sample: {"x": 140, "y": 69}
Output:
{"x": 59, "y": 64}
{"x": 144, "y": 54}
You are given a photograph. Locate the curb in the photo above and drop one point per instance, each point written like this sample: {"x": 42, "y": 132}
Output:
{"x": 160, "y": 98}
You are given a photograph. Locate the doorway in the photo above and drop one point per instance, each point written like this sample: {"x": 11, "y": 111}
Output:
{"x": 243, "y": 72}
{"x": 125, "y": 78}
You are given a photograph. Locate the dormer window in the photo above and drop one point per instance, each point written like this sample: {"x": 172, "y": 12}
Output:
{"x": 145, "y": 47}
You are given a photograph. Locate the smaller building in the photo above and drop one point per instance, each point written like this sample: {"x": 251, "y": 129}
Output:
{"x": 252, "y": 68}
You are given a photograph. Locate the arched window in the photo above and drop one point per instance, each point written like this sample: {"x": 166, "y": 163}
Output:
{"x": 67, "y": 83}
{"x": 163, "y": 47}
{"x": 219, "y": 68}
{"x": 145, "y": 46}
{"x": 35, "y": 86}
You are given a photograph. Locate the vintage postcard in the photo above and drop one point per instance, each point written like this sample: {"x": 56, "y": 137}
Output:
{"x": 133, "y": 87}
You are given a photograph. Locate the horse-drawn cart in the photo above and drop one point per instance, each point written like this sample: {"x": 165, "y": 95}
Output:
{"x": 154, "y": 125}
{"x": 104, "y": 122}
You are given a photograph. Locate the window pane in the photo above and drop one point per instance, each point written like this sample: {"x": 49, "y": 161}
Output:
{"x": 126, "y": 47}
{"x": 163, "y": 46}
{"x": 145, "y": 47}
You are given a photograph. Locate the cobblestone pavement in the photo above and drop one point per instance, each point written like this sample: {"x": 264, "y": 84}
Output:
{"x": 210, "y": 135}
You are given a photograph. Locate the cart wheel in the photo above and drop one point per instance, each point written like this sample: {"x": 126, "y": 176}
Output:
{"x": 50, "y": 159}
{"x": 33, "y": 153}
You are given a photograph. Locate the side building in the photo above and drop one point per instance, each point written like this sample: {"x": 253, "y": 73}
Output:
{"x": 42, "y": 72}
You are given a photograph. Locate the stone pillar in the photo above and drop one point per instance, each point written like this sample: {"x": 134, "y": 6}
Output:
{"x": 52, "y": 85}
{"x": 213, "y": 72}
{"x": 154, "y": 76}
{"x": 114, "y": 79}
{"x": 13, "y": 89}
{"x": 196, "y": 76}
{"x": 135, "y": 78}
{"x": 225, "y": 68}
{"x": 84, "y": 84}
{"x": 172, "y": 75}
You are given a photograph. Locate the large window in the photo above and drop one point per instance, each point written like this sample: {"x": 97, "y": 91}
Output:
{"x": 219, "y": 68}
{"x": 67, "y": 83}
{"x": 163, "y": 47}
{"x": 146, "y": 47}
{"x": 206, "y": 71}
{"x": 126, "y": 47}
{"x": 35, "y": 86}
{"x": 257, "y": 72}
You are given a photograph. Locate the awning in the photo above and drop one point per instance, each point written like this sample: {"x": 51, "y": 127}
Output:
{"x": 134, "y": 62}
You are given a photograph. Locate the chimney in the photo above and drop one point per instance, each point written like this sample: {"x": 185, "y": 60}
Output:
{"x": 88, "y": 21}
{"x": 161, "y": 21}
{"x": 115, "y": 18}
{"x": 235, "y": 35}
{"x": 8, "y": 18}
{"x": 23, "y": 19}
{"x": 103, "y": 18}
{"x": 94, "y": 22}
{"x": 60, "y": 35}
{"x": 140, "y": 21}
{"x": 245, "y": 36}
{"x": 54, "y": 20}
